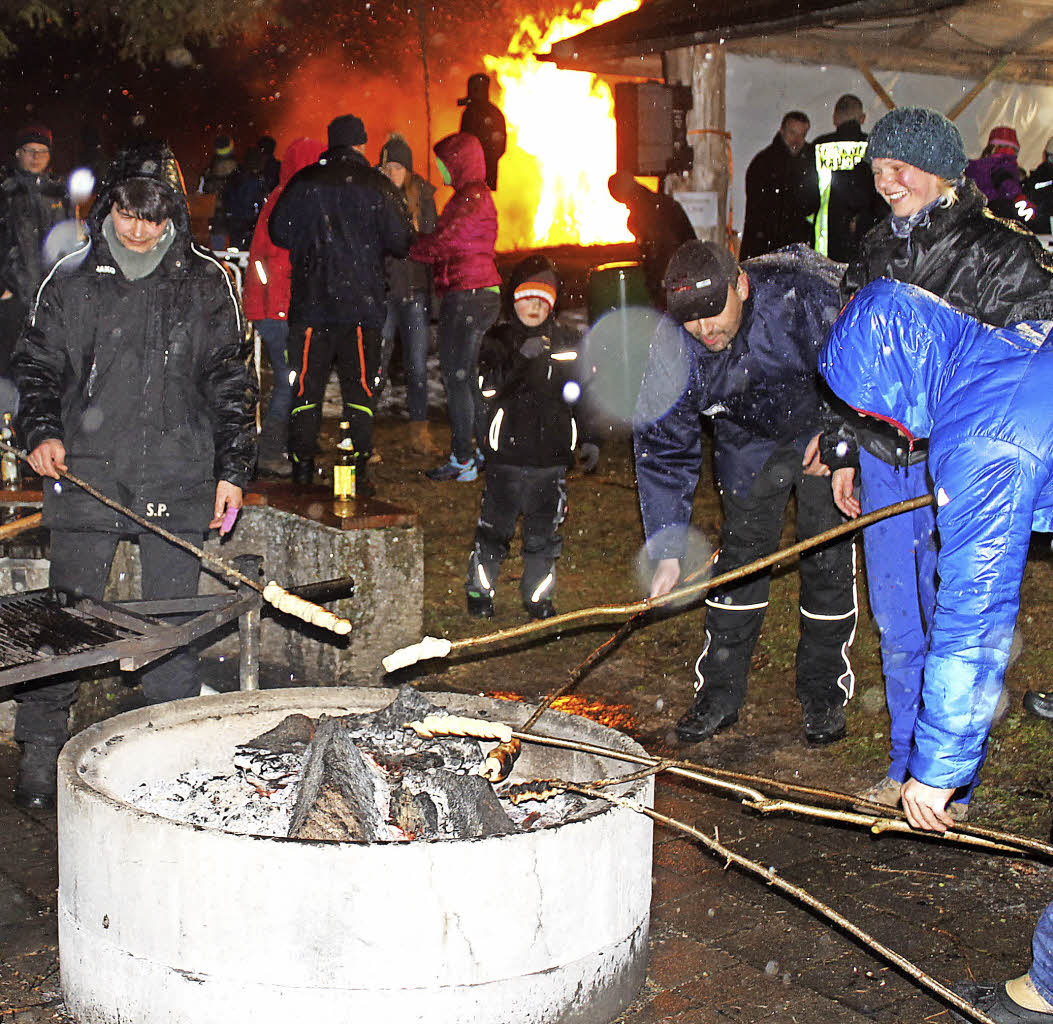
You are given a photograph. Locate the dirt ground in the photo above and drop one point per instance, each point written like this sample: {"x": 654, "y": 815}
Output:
{"x": 724, "y": 945}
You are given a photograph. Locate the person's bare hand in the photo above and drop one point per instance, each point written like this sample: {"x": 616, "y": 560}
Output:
{"x": 926, "y": 806}
{"x": 228, "y": 501}
{"x": 812, "y": 462}
{"x": 841, "y": 483}
{"x": 666, "y": 576}
{"x": 49, "y": 458}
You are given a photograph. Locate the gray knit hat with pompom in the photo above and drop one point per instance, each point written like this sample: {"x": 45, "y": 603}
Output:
{"x": 920, "y": 137}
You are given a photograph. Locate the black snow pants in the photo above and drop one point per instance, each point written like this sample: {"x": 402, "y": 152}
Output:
{"x": 539, "y": 495}
{"x": 312, "y": 352}
{"x": 735, "y": 613}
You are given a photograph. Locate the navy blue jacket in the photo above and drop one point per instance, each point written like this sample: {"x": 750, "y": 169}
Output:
{"x": 339, "y": 218}
{"x": 762, "y": 392}
{"x": 980, "y": 395}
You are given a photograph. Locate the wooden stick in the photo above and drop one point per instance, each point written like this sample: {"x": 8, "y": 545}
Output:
{"x": 272, "y": 593}
{"x": 439, "y": 647}
{"x": 18, "y": 526}
{"x": 770, "y": 876}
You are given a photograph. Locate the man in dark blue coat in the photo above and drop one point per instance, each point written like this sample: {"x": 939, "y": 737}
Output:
{"x": 338, "y": 218}
{"x": 741, "y": 347}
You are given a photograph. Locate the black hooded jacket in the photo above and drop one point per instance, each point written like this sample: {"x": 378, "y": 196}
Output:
{"x": 145, "y": 382}
{"x": 530, "y": 410}
{"x": 339, "y": 218}
{"x": 30, "y": 206}
{"x": 988, "y": 268}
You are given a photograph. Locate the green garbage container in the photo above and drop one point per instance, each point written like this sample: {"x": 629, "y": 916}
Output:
{"x": 615, "y": 286}
{"x": 621, "y": 323}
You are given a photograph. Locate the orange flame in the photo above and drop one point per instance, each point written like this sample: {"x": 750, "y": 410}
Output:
{"x": 552, "y": 186}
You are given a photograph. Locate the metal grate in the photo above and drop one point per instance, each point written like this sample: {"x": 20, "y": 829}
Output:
{"x": 37, "y": 626}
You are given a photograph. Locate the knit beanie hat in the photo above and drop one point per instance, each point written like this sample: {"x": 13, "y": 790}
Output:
{"x": 346, "y": 130}
{"x": 542, "y": 285}
{"x": 697, "y": 281}
{"x": 396, "y": 151}
{"x": 37, "y": 133}
{"x": 1004, "y": 136}
{"x": 922, "y": 138}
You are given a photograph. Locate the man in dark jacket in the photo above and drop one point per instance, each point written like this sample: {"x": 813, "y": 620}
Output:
{"x": 848, "y": 202}
{"x": 1039, "y": 190}
{"x": 781, "y": 192}
{"x": 486, "y": 122}
{"x": 746, "y": 355}
{"x": 32, "y": 202}
{"x": 338, "y": 218}
{"x": 657, "y": 222}
{"x": 134, "y": 374}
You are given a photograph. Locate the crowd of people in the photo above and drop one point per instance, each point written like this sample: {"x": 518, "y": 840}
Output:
{"x": 861, "y": 349}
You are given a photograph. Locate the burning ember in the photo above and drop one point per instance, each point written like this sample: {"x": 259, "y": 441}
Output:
{"x": 561, "y": 140}
{"x": 614, "y": 716}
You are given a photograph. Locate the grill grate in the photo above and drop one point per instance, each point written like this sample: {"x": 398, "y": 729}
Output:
{"x": 37, "y": 626}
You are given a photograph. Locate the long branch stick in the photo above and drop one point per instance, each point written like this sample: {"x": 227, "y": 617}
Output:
{"x": 272, "y": 593}
{"x": 438, "y": 647}
{"x": 30, "y": 522}
{"x": 772, "y": 878}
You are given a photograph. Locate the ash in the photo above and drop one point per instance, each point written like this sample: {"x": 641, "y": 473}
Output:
{"x": 255, "y": 797}
{"x": 358, "y": 777}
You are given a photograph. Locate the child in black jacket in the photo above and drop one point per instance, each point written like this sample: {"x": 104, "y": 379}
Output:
{"x": 531, "y": 376}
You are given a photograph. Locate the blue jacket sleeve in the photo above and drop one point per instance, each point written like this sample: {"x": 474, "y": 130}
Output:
{"x": 986, "y": 491}
{"x": 667, "y": 436}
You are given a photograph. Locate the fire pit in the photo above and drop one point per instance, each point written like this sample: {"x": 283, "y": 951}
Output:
{"x": 163, "y": 920}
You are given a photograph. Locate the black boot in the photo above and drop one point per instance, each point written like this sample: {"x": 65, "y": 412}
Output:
{"x": 364, "y": 486}
{"x": 708, "y": 715}
{"x": 1039, "y": 704}
{"x": 271, "y": 459}
{"x": 36, "y": 784}
{"x": 303, "y": 472}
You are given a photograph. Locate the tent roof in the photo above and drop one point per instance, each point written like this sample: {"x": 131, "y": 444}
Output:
{"x": 1008, "y": 39}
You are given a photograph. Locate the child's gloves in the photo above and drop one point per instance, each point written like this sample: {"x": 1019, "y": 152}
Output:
{"x": 588, "y": 456}
{"x": 533, "y": 346}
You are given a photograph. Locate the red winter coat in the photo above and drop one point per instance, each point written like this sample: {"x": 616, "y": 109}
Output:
{"x": 267, "y": 279}
{"x": 461, "y": 248}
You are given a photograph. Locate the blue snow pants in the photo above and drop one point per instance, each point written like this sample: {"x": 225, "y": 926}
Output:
{"x": 1042, "y": 955}
{"x": 901, "y": 577}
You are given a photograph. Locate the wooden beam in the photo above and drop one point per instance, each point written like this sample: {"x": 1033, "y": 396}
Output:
{"x": 874, "y": 84}
{"x": 975, "y": 91}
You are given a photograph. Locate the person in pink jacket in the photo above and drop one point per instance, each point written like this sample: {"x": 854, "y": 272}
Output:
{"x": 461, "y": 252}
{"x": 266, "y": 301}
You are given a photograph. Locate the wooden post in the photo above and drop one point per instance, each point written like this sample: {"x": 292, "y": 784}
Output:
{"x": 704, "y": 68}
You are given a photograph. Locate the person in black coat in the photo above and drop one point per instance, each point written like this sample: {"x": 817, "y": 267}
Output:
{"x": 134, "y": 374}
{"x": 848, "y": 202}
{"x": 485, "y": 121}
{"x": 657, "y": 222}
{"x": 741, "y": 345}
{"x": 781, "y": 192}
{"x": 1039, "y": 189}
{"x": 338, "y": 218}
{"x": 531, "y": 373}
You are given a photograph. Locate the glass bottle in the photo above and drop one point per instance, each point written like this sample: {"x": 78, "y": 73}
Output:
{"x": 344, "y": 473}
{"x": 10, "y": 471}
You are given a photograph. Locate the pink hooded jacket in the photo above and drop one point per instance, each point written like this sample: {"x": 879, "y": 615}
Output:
{"x": 461, "y": 248}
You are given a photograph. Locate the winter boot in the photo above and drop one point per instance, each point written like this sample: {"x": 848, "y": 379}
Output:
{"x": 480, "y": 605}
{"x": 462, "y": 472}
{"x": 420, "y": 439}
{"x": 36, "y": 783}
{"x": 824, "y": 724}
{"x": 708, "y": 715}
{"x": 271, "y": 460}
{"x": 303, "y": 472}
{"x": 543, "y": 609}
{"x": 364, "y": 485}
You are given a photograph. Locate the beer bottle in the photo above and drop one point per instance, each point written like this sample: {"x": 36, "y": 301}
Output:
{"x": 10, "y": 472}
{"x": 344, "y": 473}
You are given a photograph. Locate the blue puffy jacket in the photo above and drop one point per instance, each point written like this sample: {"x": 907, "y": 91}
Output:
{"x": 981, "y": 395}
{"x": 762, "y": 392}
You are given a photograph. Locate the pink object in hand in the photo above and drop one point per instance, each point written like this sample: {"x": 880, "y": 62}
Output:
{"x": 228, "y": 521}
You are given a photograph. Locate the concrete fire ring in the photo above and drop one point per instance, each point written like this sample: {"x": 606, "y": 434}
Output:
{"x": 163, "y": 921}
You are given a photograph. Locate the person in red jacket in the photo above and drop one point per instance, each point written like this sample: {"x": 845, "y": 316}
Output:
{"x": 461, "y": 252}
{"x": 266, "y": 301}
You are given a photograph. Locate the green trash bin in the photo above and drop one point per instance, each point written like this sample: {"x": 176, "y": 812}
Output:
{"x": 621, "y": 323}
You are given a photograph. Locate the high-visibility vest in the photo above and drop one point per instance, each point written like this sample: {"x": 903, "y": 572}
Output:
{"x": 830, "y": 157}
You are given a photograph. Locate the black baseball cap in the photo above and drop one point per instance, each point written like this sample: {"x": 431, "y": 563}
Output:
{"x": 697, "y": 280}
